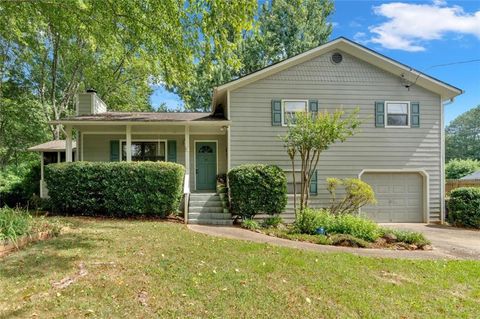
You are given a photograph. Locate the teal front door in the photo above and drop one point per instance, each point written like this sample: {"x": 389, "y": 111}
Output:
{"x": 206, "y": 165}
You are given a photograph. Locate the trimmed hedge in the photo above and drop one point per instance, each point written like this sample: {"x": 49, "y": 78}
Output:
{"x": 464, "y": 207}
{"x": 115, "y": 188}
{"x": 257, "y": 188}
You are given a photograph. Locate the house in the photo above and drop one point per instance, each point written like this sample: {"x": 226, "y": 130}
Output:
{"x": 473, "y": 176}
{"x": 399, "y": 151}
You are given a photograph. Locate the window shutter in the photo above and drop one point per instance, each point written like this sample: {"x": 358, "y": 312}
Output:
{"x": 314, "y": 184}
{"x": 313, "y": 107}
{"x": 379, "y": 114}
{"x": 276, "y": 113}
{"x": 414, "y": 114}
{"x": 114, "y": 151}
{"x": 172, "y": 151}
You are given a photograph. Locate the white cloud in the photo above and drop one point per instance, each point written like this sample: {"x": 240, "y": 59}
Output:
{"x": 410, "y": 25}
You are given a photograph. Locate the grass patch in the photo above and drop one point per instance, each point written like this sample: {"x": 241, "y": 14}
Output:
{"x": 151, "y": 269}
{"x": 406, "y": 236}
{"x": 14, "y": 223}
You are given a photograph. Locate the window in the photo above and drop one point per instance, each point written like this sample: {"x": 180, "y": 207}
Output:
{"x": 290, "y": 108}
{"x": 397, "y": 114}
{"x": 145, "y": 151}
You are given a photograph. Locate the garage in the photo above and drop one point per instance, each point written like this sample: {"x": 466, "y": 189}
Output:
{"x": 399, "y": 197}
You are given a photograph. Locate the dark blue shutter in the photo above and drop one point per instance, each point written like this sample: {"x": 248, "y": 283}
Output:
{"x": 379, "y": 114}
{"x": 313, "y": 107}
{"x": 314, "y": 184}
{"x": 414, "y": 114}
{"x": 276, "y": 113}
{"x": 172, "y": 151}
{"x": 114, "y": 151}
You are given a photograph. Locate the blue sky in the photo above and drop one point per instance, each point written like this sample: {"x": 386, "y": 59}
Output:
{"x": 421, "y": 34}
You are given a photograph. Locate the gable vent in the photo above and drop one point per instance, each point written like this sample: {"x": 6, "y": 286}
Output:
{"x": 336, "y": 58}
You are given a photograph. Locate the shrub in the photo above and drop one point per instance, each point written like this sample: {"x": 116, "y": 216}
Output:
{"x": 115, "y": 188}
{"x": 250, "y": 224}
{"x": 14, "y": 223}
{"x": 310, "y": 220}
{"x": 405, "y": 236}
{"x": 17, "y": 189}
{"x": 272, "y": 221}
{"x": 348, "y": 241}
{"x": 356, "y": 195}
{"x": 458, "y": 168}
{"x": 257, "y": 188}
{"x": 464, "y": 207}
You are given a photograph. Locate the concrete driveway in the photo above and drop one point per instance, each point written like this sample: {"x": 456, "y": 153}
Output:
{"x": 455, "y": 242}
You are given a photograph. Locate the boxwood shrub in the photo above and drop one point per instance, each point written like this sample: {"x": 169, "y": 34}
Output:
{"x": 115, "y": 188}
{"x": 257, "y": 188}
{"x": 464, "y": 207}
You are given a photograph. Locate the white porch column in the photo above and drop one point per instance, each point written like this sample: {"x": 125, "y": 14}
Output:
{"x": 68, "y": 146}
{"x": 187, "y": 150}
{"x": 128, "y": 145}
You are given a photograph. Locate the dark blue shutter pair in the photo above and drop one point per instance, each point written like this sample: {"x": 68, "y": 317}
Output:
{"x": 172, "y": 151}
{"x": 314, "y": 184}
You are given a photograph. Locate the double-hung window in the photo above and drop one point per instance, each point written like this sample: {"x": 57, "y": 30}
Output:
{"x": 397, "y": 114}
{"x": 290, "y": 109}
{"x": 145, "y": 151}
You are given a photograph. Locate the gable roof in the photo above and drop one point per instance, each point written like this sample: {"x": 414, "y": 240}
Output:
{"x": 446, "y": 91}
{"x": 475, "y": 175}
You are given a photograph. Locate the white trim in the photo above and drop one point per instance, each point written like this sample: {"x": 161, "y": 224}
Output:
{"x": 386, "y": 114}
{"x": 149, "y": 133}
{"x": 291, "y": 100}
{"x": 68, "y": 144}
{"x": 143, "y": 140}
{"x": 356, "y": 50}
{"x": 128, "y": 147}
{"x": 229, "y": 143}
{"x": 426, "y": 185}
{"x": 81, "y": 145}
{"x": 442, "y": 162}
{"x": 195, "y": 157}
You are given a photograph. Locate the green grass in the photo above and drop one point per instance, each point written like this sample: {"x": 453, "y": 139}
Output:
{"x": 142, "y": 269}
{"x": 14, "y": 223}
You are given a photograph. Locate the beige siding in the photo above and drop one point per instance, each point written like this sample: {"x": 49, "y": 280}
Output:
{"x": 350, "y": 84}
{"x": 84, "y": 104}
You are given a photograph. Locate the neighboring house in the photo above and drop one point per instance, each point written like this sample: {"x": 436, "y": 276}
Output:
{"x": 399, "y": 151}
{"x": 473, "y": 176}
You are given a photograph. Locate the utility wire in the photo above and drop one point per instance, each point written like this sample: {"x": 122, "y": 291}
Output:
{"x": 440, "y": 65}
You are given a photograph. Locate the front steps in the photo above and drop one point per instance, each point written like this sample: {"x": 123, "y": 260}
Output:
{"x": 207, "y": 209}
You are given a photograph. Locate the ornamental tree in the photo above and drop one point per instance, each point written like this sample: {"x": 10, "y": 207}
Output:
{"x": 311, "y": 134}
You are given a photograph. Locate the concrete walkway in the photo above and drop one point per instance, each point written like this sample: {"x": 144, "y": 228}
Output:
{"x": 238, "y": 233}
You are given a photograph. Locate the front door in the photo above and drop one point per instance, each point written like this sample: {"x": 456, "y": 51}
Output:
{"x": 206, "y": 165}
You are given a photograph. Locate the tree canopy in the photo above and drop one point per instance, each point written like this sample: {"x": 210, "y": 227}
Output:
{"x": 462, "y": 137}
{"x": 282, "y": 29}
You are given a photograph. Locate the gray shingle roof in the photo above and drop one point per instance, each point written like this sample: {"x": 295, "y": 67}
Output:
{"x": 51, "y": 146}
{"x": 475, "y": 175}
{"x": 147, "y": 117}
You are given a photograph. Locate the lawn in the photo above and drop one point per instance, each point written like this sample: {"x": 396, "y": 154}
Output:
{"x": 113, "y": 268}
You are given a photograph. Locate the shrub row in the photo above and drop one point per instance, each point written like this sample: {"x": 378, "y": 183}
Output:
{"x": 19, "y": 190}
{"x": 115, "y": 188}
{"x": 257, "y": 188}
{"x": 464, "y": 207}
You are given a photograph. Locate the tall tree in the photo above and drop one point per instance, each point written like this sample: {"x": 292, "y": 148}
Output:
{"x": 119, "y": 47}
{"x": 282, "y": 29}
{"x": 462, "y": 137}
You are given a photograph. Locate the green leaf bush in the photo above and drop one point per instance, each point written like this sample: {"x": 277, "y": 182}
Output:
{"x": 464, "y": 207}
{"x": 115, "y": 188}
{"x": 356, "y": 194}
{"x": 309, "y": 220}
{"x": 458, "y": 168}
{"x": 257, "y": 188}
{"x": 18, "y": 189}
{"x": 14, "y": 223}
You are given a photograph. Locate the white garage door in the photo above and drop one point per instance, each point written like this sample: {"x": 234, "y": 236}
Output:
{"x": 399, "y": 197}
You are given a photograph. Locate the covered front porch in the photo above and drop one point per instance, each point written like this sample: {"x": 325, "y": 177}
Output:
{"x": 201, "y": 148}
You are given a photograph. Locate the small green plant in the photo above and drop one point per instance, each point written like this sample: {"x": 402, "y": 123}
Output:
{"x": 315, "y": 239}
{"x": 357, "y": 194}
{"x": 406, "y": 236}
{"x": 272, "y": 221}
{"x": 464, "y": 207}
{"x": 250, "y": 224}
{"x": 14, "y": 223}
{"x": 348, "y": 241}
{"x": 458, "y": 168}
{"x": 309, "y": 220}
